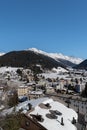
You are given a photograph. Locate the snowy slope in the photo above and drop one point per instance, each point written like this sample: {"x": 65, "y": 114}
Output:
{"x": 2, "y": 54}
{"x": 58, "y": 56}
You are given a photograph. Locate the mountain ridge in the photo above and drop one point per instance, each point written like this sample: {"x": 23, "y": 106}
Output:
{"x": 28, "y": 59}
{"x": 33, "y": 56}
{"x": 57, "y": 56}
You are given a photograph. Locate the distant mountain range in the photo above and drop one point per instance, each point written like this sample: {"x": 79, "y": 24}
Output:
{"x": 33, "y": 56}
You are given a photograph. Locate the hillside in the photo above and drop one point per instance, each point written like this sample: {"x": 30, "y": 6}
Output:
{"x": 27, "y": 59}
{"x": 68, "y": 60}
{"x": 82, "y": 65}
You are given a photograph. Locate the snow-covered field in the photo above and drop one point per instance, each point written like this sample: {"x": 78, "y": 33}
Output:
{"x": 53, "y": 75}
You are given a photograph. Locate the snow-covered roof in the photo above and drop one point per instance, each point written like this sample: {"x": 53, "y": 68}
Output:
{"x": 36, "y": 92}
{"x": 49, "y": 124}
{"x": 55, "y": 124}
{"x": 23, "y": 86}
{"x": 33, "y": 102}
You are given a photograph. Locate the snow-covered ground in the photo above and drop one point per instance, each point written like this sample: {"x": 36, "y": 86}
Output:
{"x": 55, "y": 124}
{"x": 59, "y": 70}
{"x": 53, "y": 75}
{"x": 8, "y": 69}
{"x": 24, "y": 105}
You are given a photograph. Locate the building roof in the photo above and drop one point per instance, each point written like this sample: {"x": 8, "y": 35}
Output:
{"x": 50, "y": 122}
{"x": 55, "y": 123}
{"x": 36, "y": 92}
{"x": 22, "y": 86}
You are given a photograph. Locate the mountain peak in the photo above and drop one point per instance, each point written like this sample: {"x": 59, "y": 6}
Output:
{"x": 37, "y": 51}
{"x": 57, "y": 56}
{"x": 34, "y": 49}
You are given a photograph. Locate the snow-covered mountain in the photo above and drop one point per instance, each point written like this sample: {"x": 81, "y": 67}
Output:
{"x": 57, "y": 56}
{"x": 29, "y": 58}
{"x": 1, "y": 53}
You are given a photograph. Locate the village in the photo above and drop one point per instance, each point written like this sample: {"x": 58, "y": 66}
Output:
{"x": 19, "y": 86}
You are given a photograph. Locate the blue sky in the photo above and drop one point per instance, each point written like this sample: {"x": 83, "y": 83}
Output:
{"x": 50, "y": 25}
